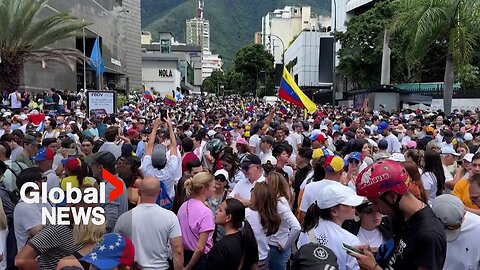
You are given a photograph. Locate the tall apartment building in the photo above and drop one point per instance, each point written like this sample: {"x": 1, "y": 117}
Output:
{"x": 198, "y": 33}
{"x": 283, "y": 25}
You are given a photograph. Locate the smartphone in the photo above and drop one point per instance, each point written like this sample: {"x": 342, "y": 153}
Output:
{"x": 163, "y": 114}
{"x": 351, "y": 249}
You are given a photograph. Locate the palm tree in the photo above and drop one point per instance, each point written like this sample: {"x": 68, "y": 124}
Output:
{"x": 455, "y": 23}
{"x": 25, "y": 38}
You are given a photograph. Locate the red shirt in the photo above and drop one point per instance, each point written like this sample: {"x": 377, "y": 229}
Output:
{"x": 187, "y": 158}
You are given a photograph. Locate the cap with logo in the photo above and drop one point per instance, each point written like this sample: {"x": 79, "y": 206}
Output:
{"x": 356, "y": 156}
{"x": 450, "y": 210}
{"x": 313, "y": 256}
{"x": 112, "y": 250}
{"x": 382, "y": 176}
{"x": 45, "y": 153}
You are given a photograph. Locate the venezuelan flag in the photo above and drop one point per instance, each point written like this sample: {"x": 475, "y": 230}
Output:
{"x": 169, "y": 100}
{"x": 148, "y": 95}
{"x": 290, "y": 92}
{"x": 283, "y": 109}
{"x": 250, "y": 107}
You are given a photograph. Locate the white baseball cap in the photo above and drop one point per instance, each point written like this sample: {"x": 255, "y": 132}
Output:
{"x": 468, "y": 157}
{"x": 270, "y": 159}
{"x": 398, "y": 157}
{"x": 468, "y": 137}
{"x": 335, "y": 194}
{"x": 221, "y": 172}
{"x": 446, "y": 150}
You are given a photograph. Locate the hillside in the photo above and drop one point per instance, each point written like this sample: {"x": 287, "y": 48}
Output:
{"x": 233, "y": 23}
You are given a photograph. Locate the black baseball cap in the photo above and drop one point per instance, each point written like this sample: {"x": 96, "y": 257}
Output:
{"x": 314, "y": 256}
{"x": 249, "y": 160}
{"x": 106, "y": 159}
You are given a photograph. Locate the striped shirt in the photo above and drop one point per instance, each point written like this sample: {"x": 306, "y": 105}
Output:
{"x": 53, "y": 243}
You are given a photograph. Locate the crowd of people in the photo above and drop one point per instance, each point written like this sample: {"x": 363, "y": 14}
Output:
{"x": 210, "y": 184}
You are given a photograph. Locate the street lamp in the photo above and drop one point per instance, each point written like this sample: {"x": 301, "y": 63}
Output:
{"x": 283, "y": 45}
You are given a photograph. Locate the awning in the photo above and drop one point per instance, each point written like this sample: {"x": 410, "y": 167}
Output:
{"x": 416, "y": 99}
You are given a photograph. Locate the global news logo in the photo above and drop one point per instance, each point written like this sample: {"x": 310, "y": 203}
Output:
{"x": 64, "y": 211}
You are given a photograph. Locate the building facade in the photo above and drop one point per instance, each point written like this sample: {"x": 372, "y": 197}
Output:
{"x": 110, "y": 20}
{"x": 168, "y": 65}
{"x": 311, "y": 58}
{"x": 198, "y": 33}
{"x": 281, "y": 26}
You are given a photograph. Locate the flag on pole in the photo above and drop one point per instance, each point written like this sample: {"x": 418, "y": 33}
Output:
{"x": 97, "y": 58}
{"x": 290, "y": 92}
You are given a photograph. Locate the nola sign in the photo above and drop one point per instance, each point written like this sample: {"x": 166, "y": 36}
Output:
{"x": 69, "y": 214}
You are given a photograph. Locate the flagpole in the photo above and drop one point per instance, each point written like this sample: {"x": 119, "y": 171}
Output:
{"x": 84, "y": 62}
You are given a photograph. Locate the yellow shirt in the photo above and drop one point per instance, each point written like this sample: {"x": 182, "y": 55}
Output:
{"x": 461, "y": 191}
{"x": 74, "y": 181}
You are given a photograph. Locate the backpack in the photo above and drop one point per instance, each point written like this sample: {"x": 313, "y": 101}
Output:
{"x": 163, "y": 199}
{"x": 306, "y": 141}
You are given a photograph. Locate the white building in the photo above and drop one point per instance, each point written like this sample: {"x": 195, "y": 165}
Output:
{"x": 281, "y": 26}
{"x": 312, "y": 53}
{"x": 210, "y": 63}
{"x": 160, "y": 71}
{"x": 198, "y": 33}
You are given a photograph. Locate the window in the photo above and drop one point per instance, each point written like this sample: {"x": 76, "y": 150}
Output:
{"x": 165, "y": 46}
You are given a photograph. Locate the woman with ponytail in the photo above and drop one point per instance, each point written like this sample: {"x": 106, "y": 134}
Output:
{"x": 196, "y": 220}
{"x": 264, "y": 219}
{"x": 238, "y": 248}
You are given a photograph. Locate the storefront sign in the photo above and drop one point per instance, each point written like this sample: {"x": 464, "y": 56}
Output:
{"x": 165, "y": 73}
{"x": 115, "y": 62}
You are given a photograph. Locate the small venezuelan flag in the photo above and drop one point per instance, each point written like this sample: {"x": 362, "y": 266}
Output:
{"x": 148, "y": 95}
{"x": 290, "y": 92}
{"x": 169, "y": 100}
{"x": 282, "y": 109}
{"x": 250, "y": 107}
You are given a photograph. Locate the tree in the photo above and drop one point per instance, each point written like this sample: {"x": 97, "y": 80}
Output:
{"x": 213, "y": 83}
{"x": 24, "y": 38}
{"x": 250, "y": 61}
{"x": 453, "y": 23}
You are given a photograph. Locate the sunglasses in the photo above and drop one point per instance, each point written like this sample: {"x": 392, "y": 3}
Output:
{"x": 221, "y": 179}
{"x": 353, "y": 161}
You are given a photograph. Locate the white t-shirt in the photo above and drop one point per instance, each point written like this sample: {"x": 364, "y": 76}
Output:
{"x": 430, "y": 184}
{"x": 310, "y": 195}
{"x": 331, "y": 235}
{"x": 393, "y": 144}
{"x": 295, "y": 140}
{"x": 244, "y": 187}
{"x": 253, "y": 217}
{"x": 255, "y": 142}
{"x": 464, "y": 252}
{"x": 152, "y": 242}
{"x": 25, "y": 217}
{"x": 166, "y": 175}
{"x": 371, "y": 238}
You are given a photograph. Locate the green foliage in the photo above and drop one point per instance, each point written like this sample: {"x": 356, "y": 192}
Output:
{"x": 24, "y": 37}
{"x": 233, "y": 23}
{"x": 214, "y": 83}
{"x": 122, "y": 99}
{"x": 250, "y": 61}
{"x": 453, "y": 23}
{"x": 468, "y": 75}
{"x": 362, "y": 44}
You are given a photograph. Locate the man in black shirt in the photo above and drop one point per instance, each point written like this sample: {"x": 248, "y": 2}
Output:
{"x": 304, "y": 170}
{"x": 419, "y": 238}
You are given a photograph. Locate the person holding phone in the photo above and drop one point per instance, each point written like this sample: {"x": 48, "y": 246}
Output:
{"x": 322, "y": 224}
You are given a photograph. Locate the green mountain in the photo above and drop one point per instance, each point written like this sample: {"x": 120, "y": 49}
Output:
{"x": 233, "y": 23}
